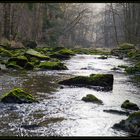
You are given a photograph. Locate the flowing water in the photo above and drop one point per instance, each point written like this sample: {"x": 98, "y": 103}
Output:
{"x": 60, "y": 111}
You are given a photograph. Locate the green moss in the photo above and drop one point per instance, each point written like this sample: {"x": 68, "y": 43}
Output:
{"x": 127, "y": 46}
{"x": 132, "y": 53}
{"x": 13, "y": 65}
{"x": 52, "y": 65}
{"x": 62, "y": 54}
{"x": 131, "y": 124}
{"x": 130, "y": 70}
{"x": 43, "y": 50}
{"x": 18, "y": 52}
{"x": 33, "y": 53}
{"x": 133, "y": 70}
{"x": 103, "y": 80}
{"x": 135, "y": 115}
{"x": 5, "y": 53}
{"x": 129, "y": 105}
{"x": 98, "y": 77}
{"x": 20, "y": 60}
{"x": 66, "y": 52}
{"x": 116, "y": 52}
{"x": 137, "y": 65}
{"x": 91, "y": 98}
{"x": 18, "y": 95}
{"x": 123, "y": 50}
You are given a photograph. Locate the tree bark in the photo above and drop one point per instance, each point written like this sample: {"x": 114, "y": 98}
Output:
{"x": 7, "y": 11}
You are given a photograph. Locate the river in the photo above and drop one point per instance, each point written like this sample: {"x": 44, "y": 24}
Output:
{"x": 60, "y": 111}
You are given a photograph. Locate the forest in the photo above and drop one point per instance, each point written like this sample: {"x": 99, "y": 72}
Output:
{"x": 71, "y": 24}
{"x": 70, "y": 69}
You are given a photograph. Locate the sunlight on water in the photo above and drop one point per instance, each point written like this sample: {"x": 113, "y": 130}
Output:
{"x": 60, "y": 111}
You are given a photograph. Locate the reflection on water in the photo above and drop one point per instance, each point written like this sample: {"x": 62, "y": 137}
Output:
{"x": 60, "y": 111}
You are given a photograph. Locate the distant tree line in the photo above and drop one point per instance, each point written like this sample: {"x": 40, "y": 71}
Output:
{"x": 120, "y": 23}
{"x": 71, "y": 24}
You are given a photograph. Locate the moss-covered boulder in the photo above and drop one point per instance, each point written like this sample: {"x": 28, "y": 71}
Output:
{"x": 20, "y": 60}
{"x": 103, "y": 80}
{"x": 129, "y": 105}
{"x": 18, "y": 52}
{"x": 13, "y": 65}
{"x": 92, "y": 98}
{"x": 66, "y": 52}
{"x": 5, "y": 53}
{"x": 134, "y": 54}
{"x": 123, "y": 50}
{"x": 52, "y": 66}
{"x": 59, "y": 56}
{"x": 127, "y": 46}
{"x": 131, "y": 124}
{"x": 18, "y": 95}
{"x": 62, "y": 54}
{"x": 32, "y": 53}
{"x": 133, "y": 70}
{"x": 29, "y": 44}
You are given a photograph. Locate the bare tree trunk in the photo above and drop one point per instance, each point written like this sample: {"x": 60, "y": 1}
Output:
{"x": 114, "y": 22}
{"x": 7, "y": 10}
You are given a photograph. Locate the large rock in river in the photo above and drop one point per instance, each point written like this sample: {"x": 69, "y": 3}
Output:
{"x": 32, "y": 53}
{"x": 102, "y": 80}
{"x": 129, "y": 105}
{"x": 18, "y": 95}
{"x": 5, "y": 53}
{"x": 131, "y": 124}
{"x": 52, "y": 66}
{"x": 62, "y": 54}
{"x": 19, "y": 60}
{"x": 123, "y": 49}
{"x": 133, "y": 70}
{"x": 92, "y": 98}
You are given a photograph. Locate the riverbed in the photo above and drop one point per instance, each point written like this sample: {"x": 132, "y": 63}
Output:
{"x": 60, "y": 111}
